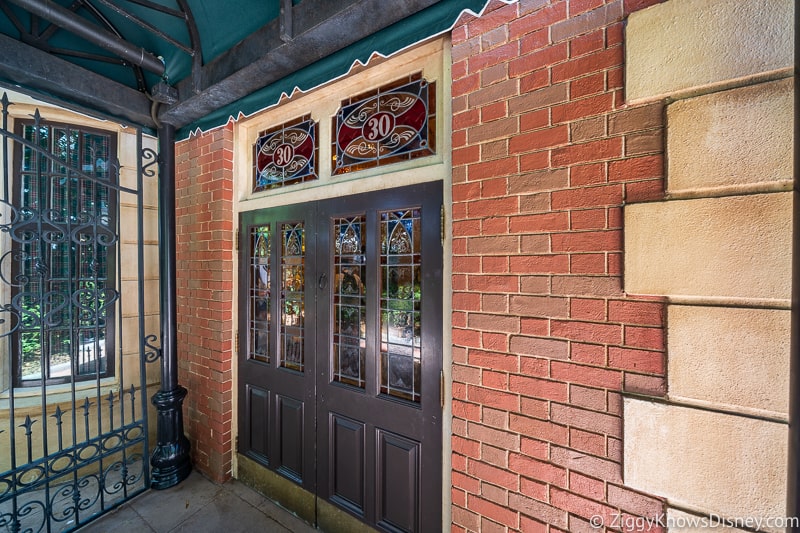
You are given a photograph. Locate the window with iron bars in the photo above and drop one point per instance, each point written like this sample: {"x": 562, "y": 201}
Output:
{"x": 64, "y": 271}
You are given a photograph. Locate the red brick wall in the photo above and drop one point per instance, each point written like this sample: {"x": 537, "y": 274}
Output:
{"x": 205, "y": 254}
{"x": 545, "y": 340}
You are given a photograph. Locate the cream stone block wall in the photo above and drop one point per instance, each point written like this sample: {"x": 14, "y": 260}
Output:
{"x": 685, "y": 46}
{"x": 745, "y": 137}
{"x": 129, "y": 238}
{"x": 130, "y": 323}
{"x": 718, "y": 248}
{"x": 128, "y": 214}
{"x": 729, "y": 465}
{"x": 731, "y": 247}
{"x": 729, "y": 358}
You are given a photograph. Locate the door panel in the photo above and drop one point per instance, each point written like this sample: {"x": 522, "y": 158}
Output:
{"x": 398, "y": 482}
{"x": 275, "y": 375}
{"x": 390, "y": 385}
{"x": 347, "y": 463}
{"x": 290, "y": 431}
{"x": 343, "y": 358}
{"x": 257, "y": 409}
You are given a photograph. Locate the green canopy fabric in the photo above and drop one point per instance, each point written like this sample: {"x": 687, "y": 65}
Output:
{"x": 432, "y": 21}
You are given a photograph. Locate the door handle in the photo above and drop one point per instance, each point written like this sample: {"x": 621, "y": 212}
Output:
{"x": 323, "y": 280}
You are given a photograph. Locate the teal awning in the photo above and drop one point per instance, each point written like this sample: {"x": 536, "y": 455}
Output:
{"x": 430, "y": 22}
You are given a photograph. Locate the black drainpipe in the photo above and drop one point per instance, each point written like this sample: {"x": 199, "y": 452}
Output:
{"x": 170, "y": 459}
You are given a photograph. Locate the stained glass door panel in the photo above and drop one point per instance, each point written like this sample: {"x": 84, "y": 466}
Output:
{"x": 343, "y": 398}
{"x": 292, "y": 295}
{"x": 259, "y": 293}
{"x": 379, "y": 441}
{"x": 349, "y": 300}
{"x": 276, "y": 377}
{"x": 401, "y": 295}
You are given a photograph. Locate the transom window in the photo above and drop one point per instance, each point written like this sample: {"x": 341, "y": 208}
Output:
{"x": 286, "y": 154}
{"x": 393, "y": 123}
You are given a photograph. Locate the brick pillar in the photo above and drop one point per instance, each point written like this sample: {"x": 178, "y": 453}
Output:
{"x": 205, "y": 258}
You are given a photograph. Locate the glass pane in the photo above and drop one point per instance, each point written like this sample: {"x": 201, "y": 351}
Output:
{"x": 349, "y": 300}
{"x": 259, "y": 294}
{"x": 31, "y": 347}
{"x": 292, "y": 295}
{"x": 401, "y": 293}
{"x": 58, "y": 344}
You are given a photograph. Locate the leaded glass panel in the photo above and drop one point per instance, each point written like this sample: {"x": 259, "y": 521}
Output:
{"x": 293, "y": 248}
{"x": 401, "y": 294}
{"x": 260, "y": 297}
{"x": 286, "y": 154}
{"x": 349, "y": 300}
{"x": 395, "y": 123}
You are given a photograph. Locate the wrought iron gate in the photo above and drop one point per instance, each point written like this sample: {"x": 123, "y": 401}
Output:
{"x": 73, "y": 399}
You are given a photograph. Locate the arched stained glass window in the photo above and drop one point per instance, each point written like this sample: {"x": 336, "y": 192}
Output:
{"x": 260, "y": 285}
{"x": 401, "y": 304}
{"x": 350, "y": 300}
{"x": 292, "y": 335}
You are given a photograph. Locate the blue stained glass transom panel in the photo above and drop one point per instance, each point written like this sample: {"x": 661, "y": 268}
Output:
{"x": 394, "y": 123}
{"x": 286, "y": 154}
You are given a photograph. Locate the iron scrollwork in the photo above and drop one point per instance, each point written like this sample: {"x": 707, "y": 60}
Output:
{"x": 61, "y": 241}
{"x": 153, "y": 353}
{"x": 149, "y": 158}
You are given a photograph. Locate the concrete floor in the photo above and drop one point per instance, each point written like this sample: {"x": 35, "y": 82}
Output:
{"x": 198, "y": 505}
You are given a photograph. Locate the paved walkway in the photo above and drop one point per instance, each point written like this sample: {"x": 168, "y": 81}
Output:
{"x": 198, "y": 505}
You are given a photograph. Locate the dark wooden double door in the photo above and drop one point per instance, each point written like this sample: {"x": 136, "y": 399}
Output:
{"x": 341, "y": 353}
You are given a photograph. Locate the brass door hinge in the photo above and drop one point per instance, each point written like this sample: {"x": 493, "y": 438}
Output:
{"x": 237, "y": 239}
{"x": 236, "y": 342}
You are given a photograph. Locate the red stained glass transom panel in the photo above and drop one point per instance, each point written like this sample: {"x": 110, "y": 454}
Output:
{"x": 286, "y": 154}
{"x": 394, "y": 123}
